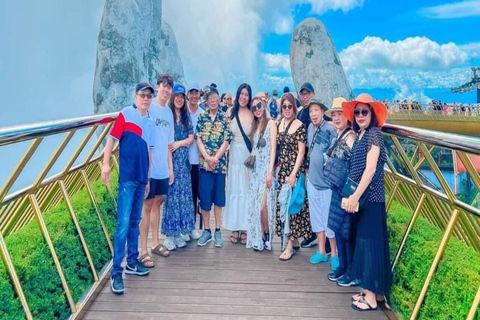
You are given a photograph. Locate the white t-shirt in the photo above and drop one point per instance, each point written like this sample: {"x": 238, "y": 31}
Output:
{"x": 164, "y": 135}
{"x": 193, "y": 152}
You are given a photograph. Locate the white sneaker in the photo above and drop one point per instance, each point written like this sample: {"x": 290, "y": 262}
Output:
{"x": 170, "y": 243}
{"x": 185, "y": 237}
{"x": 179, "y": 242}
{"x": 195, "y": 235}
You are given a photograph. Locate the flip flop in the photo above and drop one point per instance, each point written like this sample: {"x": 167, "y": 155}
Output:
{"x": 365, "y": 302}
{"x": 243, "y": 238}
{"x": 234, "y": 239}
{"x": 358, "y": 296}
{"x": 289, "y": 257}
{"x": 144, "y": 259}
{"x": 161, "y": 250}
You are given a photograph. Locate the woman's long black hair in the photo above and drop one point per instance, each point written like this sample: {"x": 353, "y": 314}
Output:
{"x": 183, "y": 111}
{"x": 236, "y": 106}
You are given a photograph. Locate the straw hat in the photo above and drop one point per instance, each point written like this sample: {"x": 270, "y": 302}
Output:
{"x": 378, "y": 108}
{"x": 336, "y": 106}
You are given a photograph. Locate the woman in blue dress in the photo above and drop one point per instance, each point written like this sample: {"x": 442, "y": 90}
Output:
{"x": 178, "y": 211}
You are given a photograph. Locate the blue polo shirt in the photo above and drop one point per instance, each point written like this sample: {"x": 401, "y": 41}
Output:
{"x": 136, "y": 136}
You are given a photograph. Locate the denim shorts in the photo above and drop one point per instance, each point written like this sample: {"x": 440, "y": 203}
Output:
{"x": 212, "y": 189}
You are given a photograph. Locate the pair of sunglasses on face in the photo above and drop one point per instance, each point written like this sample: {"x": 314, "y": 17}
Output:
{"x": 363, "y": 112}
{"x": 287, "y": 107}
{"x": 145, "y": 95}
{"x": 256, "y": 107}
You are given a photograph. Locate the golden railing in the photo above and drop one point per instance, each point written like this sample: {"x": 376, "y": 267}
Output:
{"x": 409, "y": 150}
{"x": 22, "y": 206}
{"x": 434, "y": 115}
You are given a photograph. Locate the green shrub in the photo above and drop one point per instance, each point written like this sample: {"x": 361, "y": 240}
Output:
{"x": 454, "y": 284}
{"x": 34, "y": 264}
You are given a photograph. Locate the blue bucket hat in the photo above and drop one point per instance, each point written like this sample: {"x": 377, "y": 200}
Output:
{"x": 298, "y": 196}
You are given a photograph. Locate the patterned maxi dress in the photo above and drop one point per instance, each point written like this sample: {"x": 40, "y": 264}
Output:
{"x": 178, "y": 210}
{"x": 300, "y": 222}
{"x": 257, "y": 187}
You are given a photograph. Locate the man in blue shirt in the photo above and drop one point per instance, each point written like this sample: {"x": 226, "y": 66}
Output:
{"x": 134, "y": 129}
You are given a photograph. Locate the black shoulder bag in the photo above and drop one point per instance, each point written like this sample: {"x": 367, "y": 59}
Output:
{"x": 351, "y": 186}
{"x": 248, "y": 143}
{"x": 278, "y": 152}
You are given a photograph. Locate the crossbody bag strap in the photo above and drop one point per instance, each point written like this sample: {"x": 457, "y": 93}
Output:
{"x": 284, "y": 136}
{"x": 248, "y": 143}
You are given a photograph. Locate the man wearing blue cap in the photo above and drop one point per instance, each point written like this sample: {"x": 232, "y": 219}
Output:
{"x": 134, "y": 129}
{"x": 193, "y": 96}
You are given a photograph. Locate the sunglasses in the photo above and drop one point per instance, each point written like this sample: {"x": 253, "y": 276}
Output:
{"x": 145, "y": 95}
{"x": 363, "y": 112}
{"x": 256, "y": 107}
{"x": 287, "y": 107}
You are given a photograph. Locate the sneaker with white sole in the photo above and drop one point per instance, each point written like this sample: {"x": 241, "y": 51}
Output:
{"x": 137, "y": 269}
{"x": 218, "y": 239}
{"x": 205, "y": 238}
{"x": 170, "y": 243}
{"x": 116, "y": 283}
{"x": 179, "y": 242}
{"x": 185, "y": 237}
{"x": 195, "y": 235}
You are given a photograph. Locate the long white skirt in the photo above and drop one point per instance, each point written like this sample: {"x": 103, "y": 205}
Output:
{"x": 235, "y": 212}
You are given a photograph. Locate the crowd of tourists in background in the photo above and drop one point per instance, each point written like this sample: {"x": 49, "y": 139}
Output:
{"x": 435, "y": 106}
{"x": 307, "y": 172}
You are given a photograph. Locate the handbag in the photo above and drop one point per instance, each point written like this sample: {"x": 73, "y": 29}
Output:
{"x": 351, "y": 186}
{"x": 250, "y": 161}
{"x": 278, "y": 152}
{"x": 335, "y": 170}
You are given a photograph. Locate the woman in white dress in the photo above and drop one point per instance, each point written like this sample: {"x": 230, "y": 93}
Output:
{"x": 262, "y": 193}
{"x": 241, "y": 118}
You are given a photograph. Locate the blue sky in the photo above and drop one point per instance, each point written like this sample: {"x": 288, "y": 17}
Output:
{"x": 401, "y": 49}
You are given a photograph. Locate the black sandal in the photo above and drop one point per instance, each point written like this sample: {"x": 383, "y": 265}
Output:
{"x": 365, "y": 302}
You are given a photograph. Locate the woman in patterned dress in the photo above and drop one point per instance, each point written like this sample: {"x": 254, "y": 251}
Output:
{"x": 178, "y": 211}
{"x": 371, "y": 258}
{"x": 289, "y": 167}
{"x": 262, "y": 193}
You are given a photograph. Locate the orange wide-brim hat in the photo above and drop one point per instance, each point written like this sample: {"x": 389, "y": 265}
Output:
{"x": 380, "y": 110}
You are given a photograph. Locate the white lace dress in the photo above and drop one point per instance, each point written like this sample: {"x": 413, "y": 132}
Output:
{"x": 257, "y": 187}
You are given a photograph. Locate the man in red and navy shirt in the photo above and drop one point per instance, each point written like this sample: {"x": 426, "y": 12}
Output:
{"x": 134, "y": 129}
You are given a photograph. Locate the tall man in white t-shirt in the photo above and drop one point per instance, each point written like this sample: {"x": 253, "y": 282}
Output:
{"x": 161, "y": 171}
{"x": 193, "y": 95}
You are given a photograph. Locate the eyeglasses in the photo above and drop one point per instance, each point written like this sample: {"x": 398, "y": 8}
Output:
{"x": 363, "y": 112}
{"x": 227, "y": 98}
{"x": 145, "y": 95}
{"x": 287, "y": 107}
{"x": 256, "y": 107}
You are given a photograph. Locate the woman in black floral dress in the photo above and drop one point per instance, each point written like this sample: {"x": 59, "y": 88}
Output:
{"x": 290, "y": 166}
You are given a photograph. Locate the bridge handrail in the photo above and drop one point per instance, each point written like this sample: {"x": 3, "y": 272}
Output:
{"x": 15, "y": 134}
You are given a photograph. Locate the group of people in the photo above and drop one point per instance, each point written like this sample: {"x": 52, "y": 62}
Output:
{"x": 311, "y": 171}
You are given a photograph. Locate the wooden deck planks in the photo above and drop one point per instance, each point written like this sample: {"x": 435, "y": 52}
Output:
{"x": 230, "y": 283}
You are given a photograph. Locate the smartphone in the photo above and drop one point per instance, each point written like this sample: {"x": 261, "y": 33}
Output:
{"x": 344, "y": 204}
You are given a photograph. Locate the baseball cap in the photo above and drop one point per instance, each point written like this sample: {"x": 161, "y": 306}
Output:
{"x": 144, "y": 85}
{"x": 286, "y": 89}
{"x": 307, "y": 86}
{"x": 194, "y": 86}
{"x": 178, "y": 88}
{"x": 275, "y": 92}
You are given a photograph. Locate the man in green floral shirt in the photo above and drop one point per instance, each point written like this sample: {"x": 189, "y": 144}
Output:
{"x": 213, "y": 137}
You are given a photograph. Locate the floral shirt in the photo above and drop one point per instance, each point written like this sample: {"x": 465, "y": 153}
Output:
{"x": 213, "y": 133}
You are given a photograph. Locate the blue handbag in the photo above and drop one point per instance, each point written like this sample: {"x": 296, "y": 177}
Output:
{"x": 298, "y": 196}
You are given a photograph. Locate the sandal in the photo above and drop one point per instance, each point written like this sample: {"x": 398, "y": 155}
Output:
{"x": 358, "y": 296}
{"x": 234, "y": 239}
{"x": 146, "y": 261}
{"x": 243, "y": 238}
{"x": 365, "y": 302}
{"x": 161, "y": 250}
{"x": 286, "y": 252}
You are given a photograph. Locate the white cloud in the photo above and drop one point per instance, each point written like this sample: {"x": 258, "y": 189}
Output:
{"x": 284, "y": 24}
{"x": 454, "y": 10}
{"x": 322, "y": 6}
{"x": 276, "y": 62}
{"x": 472, "y": 49}
{"x": 412, "y": 52}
